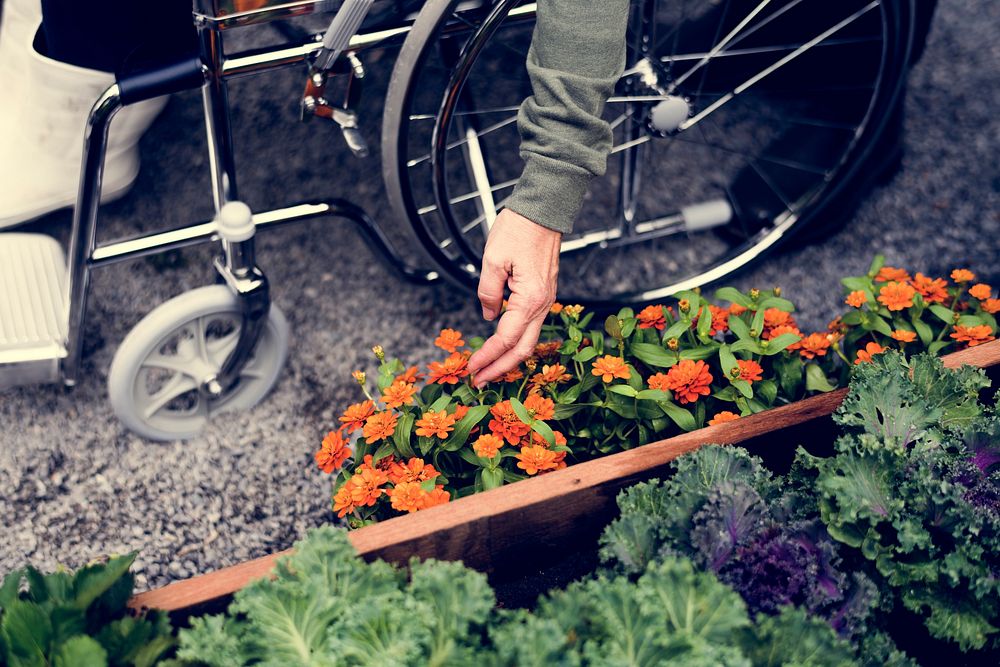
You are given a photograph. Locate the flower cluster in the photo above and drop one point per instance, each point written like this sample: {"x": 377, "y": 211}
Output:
{"x": 590, "y": 390}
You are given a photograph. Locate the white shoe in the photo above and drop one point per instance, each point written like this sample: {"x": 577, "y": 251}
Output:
{"x": 20, "y": 19}
{"x": 40, "y": 153}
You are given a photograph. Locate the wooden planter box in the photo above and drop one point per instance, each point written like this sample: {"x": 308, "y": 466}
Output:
{"x": 515, "y": 531}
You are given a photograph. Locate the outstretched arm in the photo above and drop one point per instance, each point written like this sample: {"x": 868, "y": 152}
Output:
{"x": 577, "y": 55}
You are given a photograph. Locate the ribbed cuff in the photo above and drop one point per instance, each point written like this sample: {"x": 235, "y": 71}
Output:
{"x": 550, "y": 193}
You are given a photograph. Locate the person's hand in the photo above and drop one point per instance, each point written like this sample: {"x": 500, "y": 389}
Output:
{"x": 525, "y": 257}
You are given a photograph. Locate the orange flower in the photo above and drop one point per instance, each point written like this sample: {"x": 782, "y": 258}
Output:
{"x": 896, "y": 296}
{"x": 814, "y": 345}
{"x": 412, "y": 375}
{"x": 361, "y": 490}
{"x": 407, "y": 497}
{"x": 904, "y": 336}
{"x": 973, "y": 335}
{"x": 836, "y": 326}
{"x": 451, "y": 370}
{"x": 720, "y": 319}
{"x": 865, "y": 355}
{"x": 573, "y": 311}
{"x": 963, "y": 276}
{"x": 398, "y": 394}
{"x": 991, "y": 306}
{"x": 981, "y": 291}
{"x": 722, "y": 417}
{"x": 774, "y": 317}
{"x": 890, "y": 274}
{"x": 512, "y": 376}
{"x": 354, "y": 417}
{"x": 688, "y": 380}
{"x": 436, "y": 497}
{"x": 436, "y": 424}
{"x": 548, "y": 349}
{"x": 460, "y": 412}
{"x": 659, "y": 381}
{"x": 506, "y": 424}
{"x": 610, "y": 367}
{"x": 856, "y": 299}
{"x": 449, "y": 340}
{"x": 736, "y": 309}
{"x": 414, "y": 470}
{"x": 534, "y": 459}
{"x": 750, "y": 370}
{"x": 540, "y": 407}
{"x": 560, "y": 459}
{"x": 933, "y": 290}
{"x": 333, "y": 452}
{"x": 487, "y": 445}
{"x": 555, "y": 308}
{"x": 379, "y": 426}
{"x": 553, "y": 374}
{"x": 384, "y": 464}
{"x": 785, "y": 329}
{"x": 651, "y": 317}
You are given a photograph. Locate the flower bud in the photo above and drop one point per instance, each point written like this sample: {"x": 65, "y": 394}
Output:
{"x": 776, "y": 291}
{"x": 359, "y": 376}
{"x": 573, "y": 312}
{"x": 754, "y": 293}
{"x": 734, "y": 372}
{"x": 955, "y": 318}
{"x": 764, "y": 344}
{"x": 684, "y": 305}
{"x": 673, "y": 344}
{"x": 531, "y": 364}
{"x": 379, "y": 353}
{"x": 754, "y": 333}
{"x": 696, "y": 290}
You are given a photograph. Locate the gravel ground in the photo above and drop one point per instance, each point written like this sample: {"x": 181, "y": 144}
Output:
{"x": 76, "y": 485}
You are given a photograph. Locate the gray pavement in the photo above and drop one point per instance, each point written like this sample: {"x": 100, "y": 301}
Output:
{"x": 74, "y": 484}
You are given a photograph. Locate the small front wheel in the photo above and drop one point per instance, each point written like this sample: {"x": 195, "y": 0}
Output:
{"x": 154, "y": 377}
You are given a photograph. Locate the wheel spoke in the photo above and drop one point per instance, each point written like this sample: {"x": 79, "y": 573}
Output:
{"x": 166, "y": 363}
{"x": 757, "y": 50}
{"x": 430, "y": 208}
{"x": 178, "y": 385}
{"x": 459, "y": 142}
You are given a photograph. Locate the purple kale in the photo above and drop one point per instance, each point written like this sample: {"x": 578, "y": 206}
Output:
{"x": 772, "y": 570}
{"x": 732, "y": 515}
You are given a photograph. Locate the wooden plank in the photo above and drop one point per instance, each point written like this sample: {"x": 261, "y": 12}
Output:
{"x": 496, "y": 530}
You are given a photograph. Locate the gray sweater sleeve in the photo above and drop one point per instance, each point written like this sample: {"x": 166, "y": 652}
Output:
{"x": 577, "y": 55}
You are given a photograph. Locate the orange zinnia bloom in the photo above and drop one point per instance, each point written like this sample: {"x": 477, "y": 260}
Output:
{"x": 354, "y": 417}
{"x": 398, "y": 394}
{"x": 890, "y": 274}
{"x": 548, "y": 349}
{"x": 720, "y": 319}
{"x": 460, "y": 412}
{"x": 414, "y": 470}
{"x": 451, "y": 370}
{"x": 573, "y": 311}
{"x": 785, "y": 329}
{"x": 736, "y": 309}
{"x": 722, "y": 417}
{"x": 814, "y": 345}
{"x": 963, "y": 276}
{"x": 487, "y": 445}
{"x": 659, "y": 381}
{"x": 610, "y": 367}
{"x": 407, "y": 497}
{"x": 981, "y": 291}
{"x": 506, "y": 424}
{"x": 534, "y": 459}
{"x": 904, "y": 336}
{"x": 553, "y": 374}
{"x": 361, "y": 490}
{"x": 449, "y": 340}
{"x": 865, "y": 355}
{"x": 436, "y": 497}
{"x": 539, "y": 406}
{"x": 436, "y": 424}
{"x": 412, "y": 375}
{"x": 651, "y": 317}
{"x": 379, "y": 426}
{"x": 856, "y": 299}
{"x": 973, "y": 335}
{"x": 555, "y": 308}
{"x": 896, "y": 296}
{"x": 750, "y": 370}
{"x": 991, "y": 306}
{"x": 333, "y": 452}
{"x": 777, "y": 318}
{"x": 688, "y": 380}
{"x": 560, "y": 459}
{"x": 512, "y": 376}
{"x": 933, "y": 290}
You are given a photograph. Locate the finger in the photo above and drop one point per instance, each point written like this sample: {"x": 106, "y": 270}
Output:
{"x": 492, "y": 281}
{"x": 513, "y": 357}
{"x": 509, "y": 331}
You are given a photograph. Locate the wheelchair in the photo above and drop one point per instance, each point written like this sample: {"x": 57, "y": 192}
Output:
{"x": 738, "y": 125}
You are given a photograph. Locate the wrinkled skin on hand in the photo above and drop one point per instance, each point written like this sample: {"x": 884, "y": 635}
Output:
{"x": 523, "y": 256}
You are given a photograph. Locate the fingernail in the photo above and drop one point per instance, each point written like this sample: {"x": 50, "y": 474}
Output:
{"x": 488, "y": 315}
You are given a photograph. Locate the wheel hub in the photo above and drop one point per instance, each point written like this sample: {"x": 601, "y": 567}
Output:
{"x": 667, "y": 116}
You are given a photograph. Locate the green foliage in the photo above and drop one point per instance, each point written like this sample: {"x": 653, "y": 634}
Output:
{"x": 78, "y": 619}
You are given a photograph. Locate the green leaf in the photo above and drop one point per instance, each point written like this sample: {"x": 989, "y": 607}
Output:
{"x": 677, "y": 329}
{"x": 747, "y": 345}
{"x": 727, "y": 359}
{"x": 383, "y": 451}
{"x": 470, "y": 456}
{"x": 492, "y": 478}
{"x": 779, "y": 343}
{"x": 937, "y": 346}
{"x": 767, "y": 390}
{"x": 460, "y": 435}
{"x": 544, "y": 430}
{"x": 623, "y": 389}
{"x": 441, "y": 403}
{"x": 653, "y": 395}
{"x": 401, "y": 436}
{"x": 26, "y": 631}
{"x": 683, "y": 418}
{"x": 942, "y": 313}
{"x": 877, "y": 263}
{"x": 743, "y": 387}
{"x": 80, "y": 651}
{"x": 696, "y": 353}
{"x": 877, "y": 323}
{"x": 816, "y": 379}
{"x": 585, "y": 355}
{"x": 733, "y": 295}
{"x": 739, "y": 327}
{"x": 757, "y": 324}
{"x": 92, "y": 581}
{"x": 777, "y": 302}
{"x": 653, "y": 355}
{"x": 704, "y": 322}
{"x": 613, "y": 327}
{"x": 567, "y": 411}
{"x": 923, "y": 331}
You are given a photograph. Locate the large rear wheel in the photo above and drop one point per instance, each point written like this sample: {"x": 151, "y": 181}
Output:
{"x": 737, "y": 123}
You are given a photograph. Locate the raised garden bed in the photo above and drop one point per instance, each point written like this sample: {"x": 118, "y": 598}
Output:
{"x": 512, "y": 533}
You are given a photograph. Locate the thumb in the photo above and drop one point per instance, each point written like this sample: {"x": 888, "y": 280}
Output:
{"x": 492, "y": 281}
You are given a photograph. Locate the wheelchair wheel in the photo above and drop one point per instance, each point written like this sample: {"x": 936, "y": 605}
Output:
{"x": 736, "y": 124}
{"x": 154, "y": 377}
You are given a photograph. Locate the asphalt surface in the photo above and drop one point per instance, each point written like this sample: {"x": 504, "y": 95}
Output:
{"x": 74, "y": 484}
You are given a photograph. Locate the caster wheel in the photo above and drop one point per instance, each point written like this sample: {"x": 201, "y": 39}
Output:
{"x": 154, "y": 377}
